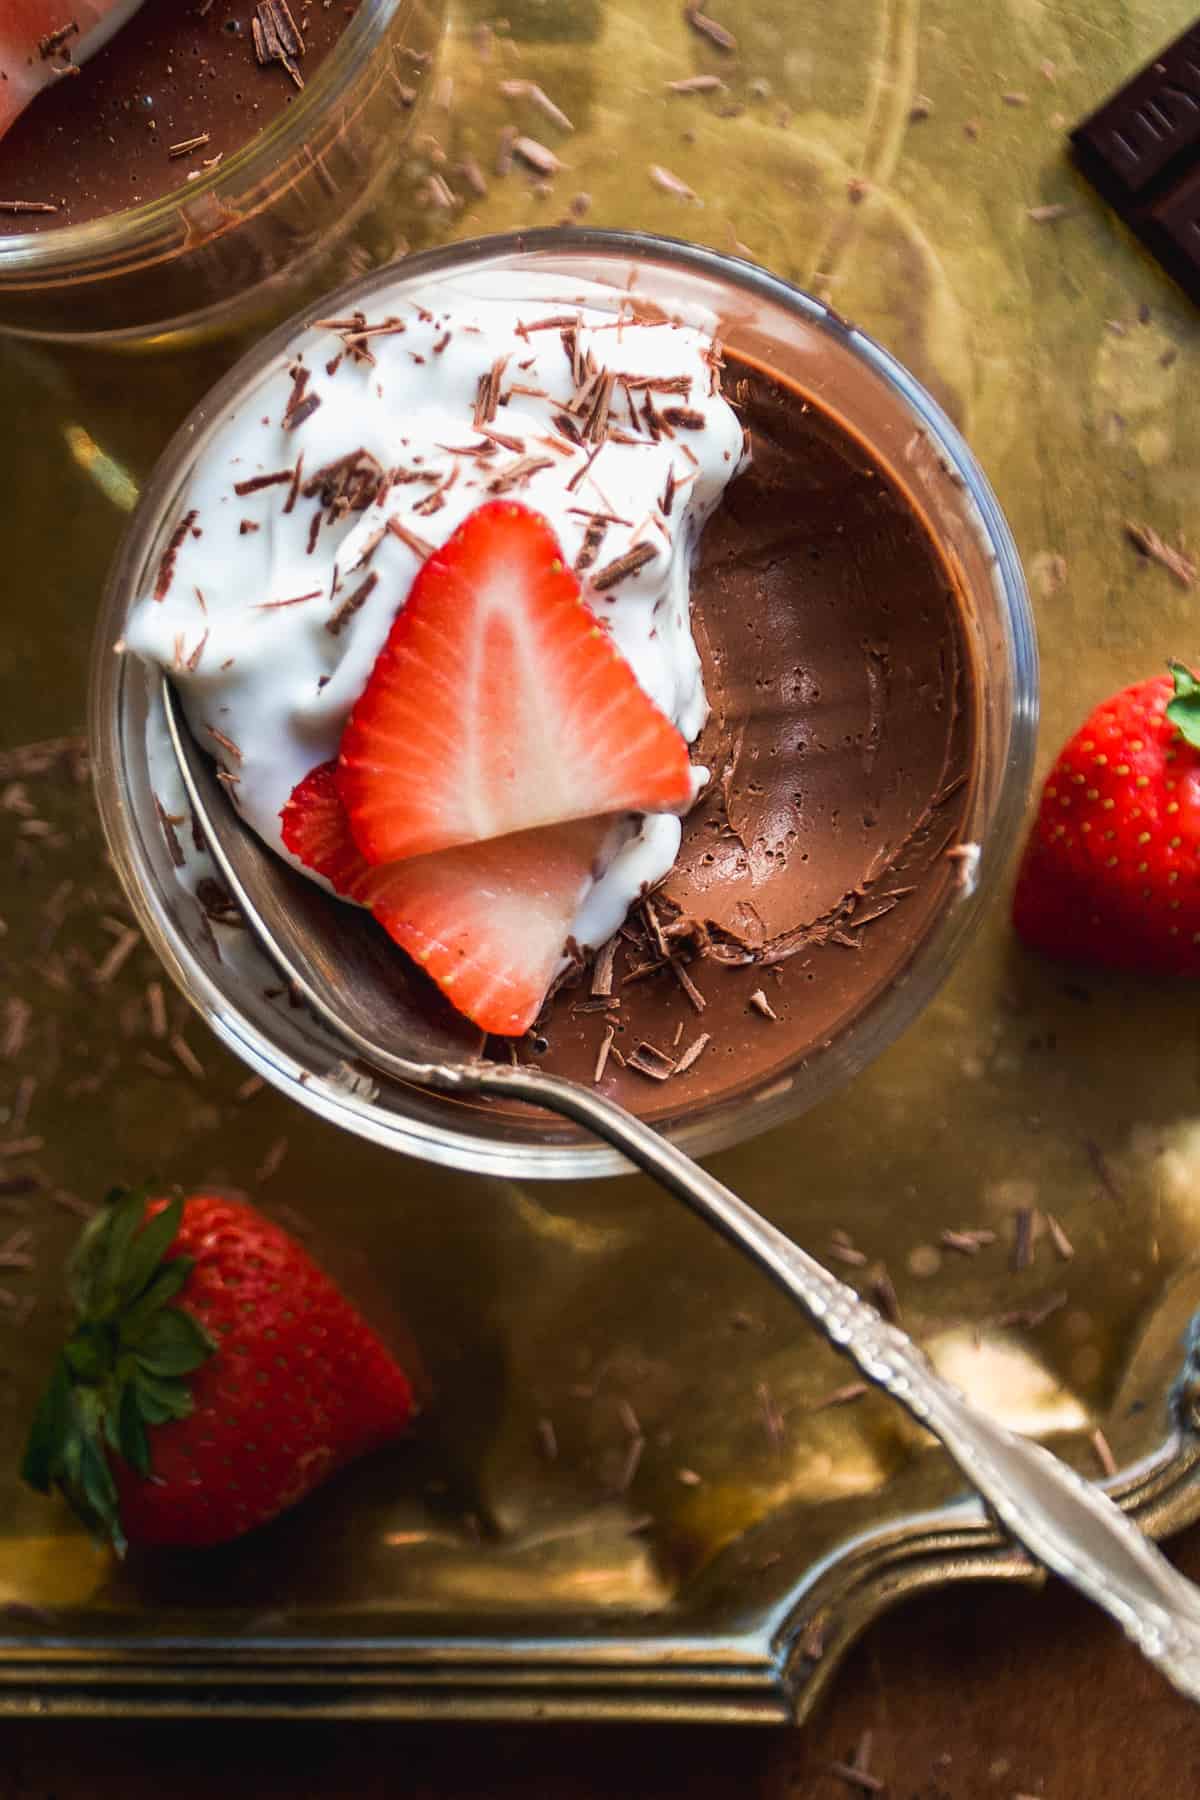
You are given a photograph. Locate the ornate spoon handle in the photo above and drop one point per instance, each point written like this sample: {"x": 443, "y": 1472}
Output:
{"x": 1069, "y": 1524}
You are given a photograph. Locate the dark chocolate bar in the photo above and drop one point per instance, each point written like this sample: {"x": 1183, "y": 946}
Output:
{"x": 1141, "y": 151}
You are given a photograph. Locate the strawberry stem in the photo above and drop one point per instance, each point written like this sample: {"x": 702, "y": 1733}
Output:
{"x": 122, "y": 1370}
{"x": 1184, "y": 709}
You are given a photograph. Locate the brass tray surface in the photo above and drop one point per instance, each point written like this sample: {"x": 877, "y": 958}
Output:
{"x": 634, "y": 1496}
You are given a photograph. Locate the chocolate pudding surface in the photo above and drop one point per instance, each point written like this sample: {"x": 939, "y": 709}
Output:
{"x": 841, "y": 742}
{"x": 109, "y": 137}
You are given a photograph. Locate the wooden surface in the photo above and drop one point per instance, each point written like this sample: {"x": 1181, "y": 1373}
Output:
{"x": 985, "y": 1692}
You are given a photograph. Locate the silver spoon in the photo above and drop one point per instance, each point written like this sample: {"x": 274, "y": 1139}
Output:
{"x": 347, "y": 977}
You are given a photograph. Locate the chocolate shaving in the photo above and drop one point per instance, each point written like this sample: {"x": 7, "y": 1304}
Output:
{"x": 258, "y": 482}
{"x": 473, "y": 176}
{"x": 596, "y": 426}
{"x": 696, "y": 84}
{"x": 294, "y": 489}
{"x": 593, "y": 537}
{"x": 709, "y": 28}
{"x": 647, "y": 1059}
{"x": 687, "y": 984}
{"x": 417, "y": 545}
{"x": 882, "y": 1291}
{"x": 1064, "y": 1249}
{"x": 296, "y": 599}
{"x": 351, "y": 604}
{"x": 536, "y": 155}
{"x": 693, "y": 1053}
{"x": 277, "y": 38}
{"x": 584, "y": 470}
{"x": 170, "y": 835}
{"x": 166, "y": 567}
{"x": 685, "y": 418}
{"x": 1022, "y": 1250}
{"x": 487, "y": 394}
{"x": 305, "y": 410}
{"x": 27, "y": 206}
{"x": 967, "y": 1243}
{"x": 504, "y": 149}
{"x": 529, "y": 90}
{"x": 1104, "y": 1455}
{"x": 438, "y": 192}
{"x": 761, "y": 1004}
{"x": 193, "y": 661}
{"x": 186, "y": 145}
{"x": 602, "y": 970}
{"x": 604, "y": 1052}
{"x": 853, "y": 1390}
{"x": 518, "y": 473}
{"x": 671, "y": 184}
{"x": 668, "y": 494}
{"x": 52, "y": 43}
{"x": 1175, "y": 561}
{"x": 621, "y": 566}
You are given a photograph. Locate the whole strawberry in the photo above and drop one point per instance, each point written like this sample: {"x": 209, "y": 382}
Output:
{"x": 214, "y": 1377}
{"x": 1111, "y": 873}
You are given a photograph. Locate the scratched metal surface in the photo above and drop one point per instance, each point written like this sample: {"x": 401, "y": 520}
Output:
{"x": 522, "y": 1554}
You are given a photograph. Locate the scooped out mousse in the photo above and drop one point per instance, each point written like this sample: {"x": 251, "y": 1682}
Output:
{"x": 662, "y": 765}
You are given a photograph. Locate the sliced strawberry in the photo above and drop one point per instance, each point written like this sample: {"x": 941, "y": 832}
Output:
{"x": 39, "y": 39}
{"x": 488, "y": 922}
{"x": 498, "y": 704}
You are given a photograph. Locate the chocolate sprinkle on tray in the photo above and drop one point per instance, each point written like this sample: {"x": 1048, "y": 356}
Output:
{"x": 1104, "y": 1455}
{"x": 529, "y": 90}
{"x": 696, "y": 84}
{"x": 1046, "y": 215}
{"x": 27, "y": 206}
{"x": 709, "y": 28}
{"x": 671, "y": 184}
{"x": 536, "y": 155}
{"x": 1022, "y": 1251}
{"x": 1175, "y": 561}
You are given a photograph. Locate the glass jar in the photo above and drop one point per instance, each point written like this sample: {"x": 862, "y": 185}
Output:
{"x": 805, "y": 344}
{"x": 249, "y": 238}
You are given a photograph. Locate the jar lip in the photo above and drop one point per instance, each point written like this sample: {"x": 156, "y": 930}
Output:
{"x": 737, "y": 1114}
{"x": 150, "y": 230}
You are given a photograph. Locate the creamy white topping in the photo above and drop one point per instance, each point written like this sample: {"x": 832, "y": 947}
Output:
{"x": 271, "y": 604}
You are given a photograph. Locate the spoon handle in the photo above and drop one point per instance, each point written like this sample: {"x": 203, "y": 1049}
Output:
{"x": 1068, "y": 1524}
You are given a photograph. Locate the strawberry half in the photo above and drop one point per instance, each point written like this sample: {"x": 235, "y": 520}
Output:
{"x": 1111, "y": 872}
{"x": 498, "y": 704}
{"x": 488, "y": 922}
{"x": 215, "y": 1376}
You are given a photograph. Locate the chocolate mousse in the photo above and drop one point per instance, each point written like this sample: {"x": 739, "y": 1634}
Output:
{"x": 840, "y": 738}
{"x": 182, "y": 85}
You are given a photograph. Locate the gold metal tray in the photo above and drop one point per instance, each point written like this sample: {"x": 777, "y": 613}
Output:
{"x": 643, "y": 1489}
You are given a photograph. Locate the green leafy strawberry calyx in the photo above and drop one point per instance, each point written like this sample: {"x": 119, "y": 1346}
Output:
{"x": 124, "y": 1367}
{"x": 1184, "y": 709}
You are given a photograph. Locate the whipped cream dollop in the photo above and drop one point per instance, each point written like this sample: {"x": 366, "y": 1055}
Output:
{"x": 316, "y": 499}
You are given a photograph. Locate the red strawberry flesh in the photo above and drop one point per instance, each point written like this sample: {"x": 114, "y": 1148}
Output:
{"x": 488, "y": 922}
{"x": 1111, "y": 872}
{"x": 499, "y": 704}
